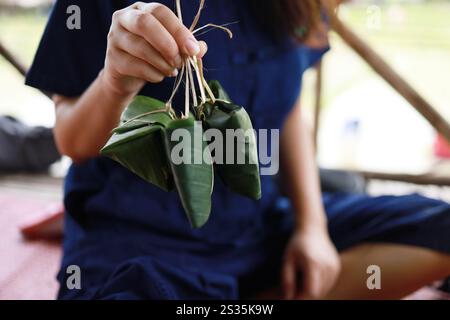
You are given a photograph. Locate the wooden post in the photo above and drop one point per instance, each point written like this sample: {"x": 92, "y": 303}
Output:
{"x": 389, "y": 74}
{"x": 318, "y": 102}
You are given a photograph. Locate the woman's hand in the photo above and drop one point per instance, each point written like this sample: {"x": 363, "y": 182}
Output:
{"x": 146, "y": 43}
{"x": 311, "y": 265}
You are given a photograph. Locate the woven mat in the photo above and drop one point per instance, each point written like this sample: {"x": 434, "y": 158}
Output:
{"x": 27, "y": 268}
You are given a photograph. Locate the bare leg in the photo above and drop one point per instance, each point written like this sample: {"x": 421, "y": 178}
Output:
{"x": 404, "y": 269}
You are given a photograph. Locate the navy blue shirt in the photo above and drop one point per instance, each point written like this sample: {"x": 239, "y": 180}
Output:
{"x": 113, "y": 215}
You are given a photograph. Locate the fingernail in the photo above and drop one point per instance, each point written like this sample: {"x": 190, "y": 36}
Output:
{"x": 192, "y": 47}
{"x": 175, "y": 73}
{"x": 206, "y": 46}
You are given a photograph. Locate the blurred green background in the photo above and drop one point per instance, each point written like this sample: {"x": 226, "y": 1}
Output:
{"x": 20, "y": 31}
{"x": 413, "y": 36}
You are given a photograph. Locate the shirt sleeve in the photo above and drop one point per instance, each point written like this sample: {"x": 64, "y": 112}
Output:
{"x": 68, "y": 60}
{"x": 309, "y": 57}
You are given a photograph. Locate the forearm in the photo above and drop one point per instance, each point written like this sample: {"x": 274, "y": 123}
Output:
{"x": 300, "y": 172}
{"x": 311, "y": 259}
{"x": 83, "y": 125}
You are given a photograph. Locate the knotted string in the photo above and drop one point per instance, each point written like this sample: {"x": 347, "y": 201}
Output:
{"x": 194, "y": 64}
{"x": 190, "y": 64}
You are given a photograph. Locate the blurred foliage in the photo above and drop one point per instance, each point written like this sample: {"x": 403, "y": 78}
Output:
{"x": 414, "y": 36}
{"x": 20, "y": 32}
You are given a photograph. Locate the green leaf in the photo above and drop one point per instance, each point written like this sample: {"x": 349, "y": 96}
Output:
{"x": 218, "y": 91}
{"x": 142, "y": 112}
{"x": 141, "y": 105}
{"x": 241, "y": 178}
{"x": 193, "y": 181}
{"x": 142, "y": 152}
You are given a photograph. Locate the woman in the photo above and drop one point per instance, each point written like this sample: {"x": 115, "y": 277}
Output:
{"x": 132, "y": 240}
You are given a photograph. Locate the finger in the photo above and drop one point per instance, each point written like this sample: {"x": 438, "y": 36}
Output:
{"x": 131, "y": 66}
{"x": 140, "y": 48}
{"x": 147, "y": 26}
{"x": 333, "y": 276}
{"x": 311, "y": 284}
{"x": 328, "y": 283}
{"x": 184, "y": 38}
{"x": 289, "y": 278}
{"x": 325, "y": 283}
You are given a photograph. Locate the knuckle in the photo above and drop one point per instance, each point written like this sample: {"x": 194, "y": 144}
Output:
{"x": 141, "y": 19}
{"x": 180, "y": 32}
{"x": 169, "y": 48}
{"x": 116, "y": 15}
{"x": 160, "y": 10}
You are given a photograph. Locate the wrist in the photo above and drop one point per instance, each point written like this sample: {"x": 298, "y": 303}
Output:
{"x": 113, "y": 102}
{"x": 306, "y": 223}
{"x": 113, "y": 91}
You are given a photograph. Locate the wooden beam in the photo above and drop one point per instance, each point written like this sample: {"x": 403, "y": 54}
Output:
{"x": 12, "y": 60}
{"x": 382, "y": 68}
{"x": 9, "y": 57}
{"x": 424, "y": 179}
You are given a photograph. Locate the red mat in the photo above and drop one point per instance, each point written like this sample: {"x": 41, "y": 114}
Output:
{"x": 27, "y": 268}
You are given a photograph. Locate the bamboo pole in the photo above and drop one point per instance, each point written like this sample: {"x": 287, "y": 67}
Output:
{"x": 9, "y": 57}
{"x": 424, "y": 179}
{"x": 12, "y": 60}
{"x": 382, "y": 68}
{"x": 318, "y": 102}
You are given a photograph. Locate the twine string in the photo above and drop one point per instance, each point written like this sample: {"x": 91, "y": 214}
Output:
{"x": 190, "y": 65}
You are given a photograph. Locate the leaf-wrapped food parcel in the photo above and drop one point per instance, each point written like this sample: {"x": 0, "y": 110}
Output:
{"x": 193, "y": 174}
{"x": 141, "y": 151}
{"x": 138, "y": 145}
{"x": 241, "y": 174}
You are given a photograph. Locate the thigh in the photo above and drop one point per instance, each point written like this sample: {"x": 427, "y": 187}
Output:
{"x": 152, "y": 279}
{"x": 360, "y": 219}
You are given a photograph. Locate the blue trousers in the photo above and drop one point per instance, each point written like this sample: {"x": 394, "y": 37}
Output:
{"x": 130, "y": 267}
